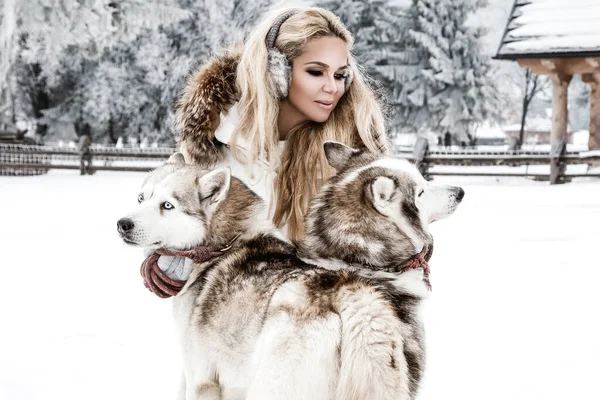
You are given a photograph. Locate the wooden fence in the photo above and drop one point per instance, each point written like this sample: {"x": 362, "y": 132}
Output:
{"x": 557, "y": 159}
{"x": 20, "y": 159}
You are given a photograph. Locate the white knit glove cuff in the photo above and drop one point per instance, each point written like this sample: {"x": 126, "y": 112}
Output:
{"x": 178, "y": 268}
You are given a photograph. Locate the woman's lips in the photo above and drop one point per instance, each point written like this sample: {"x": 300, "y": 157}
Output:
{"x": 327, "y": 105}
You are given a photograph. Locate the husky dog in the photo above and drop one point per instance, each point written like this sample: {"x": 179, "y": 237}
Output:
{"x": 335, "y": 318}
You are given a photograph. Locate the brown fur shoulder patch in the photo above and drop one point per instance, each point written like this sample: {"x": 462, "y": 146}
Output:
{"x": 210, "y": 90}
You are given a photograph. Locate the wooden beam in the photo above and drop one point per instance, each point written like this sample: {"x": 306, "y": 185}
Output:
{"x": 594, "y": 62}
{"x": 569, "y": 66}
{"x": 560, "y": 115}
{"x": 594, "y": 81}
{"x": 537, "y": 66}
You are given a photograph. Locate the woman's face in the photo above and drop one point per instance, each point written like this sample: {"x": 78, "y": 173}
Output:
{"x": 318, "y": 78}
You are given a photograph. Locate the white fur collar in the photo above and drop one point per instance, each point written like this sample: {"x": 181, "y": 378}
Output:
{"x": 225, "y": 130}
{"x": 228, "y": 123}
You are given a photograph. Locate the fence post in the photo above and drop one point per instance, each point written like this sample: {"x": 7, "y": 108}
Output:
{"x": 419, "y": 152}
{"x": 84, "y": 154}
{"x": 557, "y": 167}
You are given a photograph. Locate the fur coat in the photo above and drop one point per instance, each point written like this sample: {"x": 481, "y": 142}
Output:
{"x": 206, "y": 118}
{"x": 210, "y": 91}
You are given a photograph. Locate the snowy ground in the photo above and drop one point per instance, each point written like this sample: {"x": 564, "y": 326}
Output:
{"x": 513, "y": 314}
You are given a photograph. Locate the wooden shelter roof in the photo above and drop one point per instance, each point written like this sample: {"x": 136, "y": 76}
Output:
{"x": 551, "y": 29}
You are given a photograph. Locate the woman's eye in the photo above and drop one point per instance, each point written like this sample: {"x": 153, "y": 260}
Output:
{"x": 339, "y": 77}
{"x": 140, "y": 198}
{"x": 421, "y": 192}
{"x": 315, "y": 73}
{"x": 167, "y": 206}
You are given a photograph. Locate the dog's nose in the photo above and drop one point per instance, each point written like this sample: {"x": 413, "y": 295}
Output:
{"x": 460, "y": 194}
{"x": 124, "y": 225}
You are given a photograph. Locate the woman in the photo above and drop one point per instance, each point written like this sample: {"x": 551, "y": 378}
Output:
{"x": 266, "y": 108}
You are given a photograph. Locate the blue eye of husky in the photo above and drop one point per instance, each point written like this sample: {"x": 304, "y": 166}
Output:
{"x": 167, "y": 206}
{"x": 140, "y": 197}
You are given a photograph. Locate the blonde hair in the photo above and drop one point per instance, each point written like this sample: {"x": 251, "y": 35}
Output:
{"x": 357, "y": 120}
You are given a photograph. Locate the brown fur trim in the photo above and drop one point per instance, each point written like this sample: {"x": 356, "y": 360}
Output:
{"x": 210, "y": 90}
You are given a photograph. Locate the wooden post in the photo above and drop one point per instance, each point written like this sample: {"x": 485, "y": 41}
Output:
{"x": 593, "y": 79}
{"x": 84, "y": 155}
{"x": 419, "y": 152}
{"x": 556, "y": 165}
{"x": 560, "y": 114}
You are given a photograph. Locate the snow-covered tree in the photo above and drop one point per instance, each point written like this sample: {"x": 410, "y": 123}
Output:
{"x": 8, "y": 52}
{"x": 115, "y": 68}
{"x": 91, "y": 26}
{"x": 60, "y": 44}
{"x": 579, "y": 104}
{"x": 167, "y": 56}
{"x": 232, "y": 20}
{"x": 426, "y": 59}
{"x": 453, "y": 90}
{"x": 380, "y": 29}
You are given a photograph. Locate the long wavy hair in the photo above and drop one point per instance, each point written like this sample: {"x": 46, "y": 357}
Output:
{"x": 357, "y": 120}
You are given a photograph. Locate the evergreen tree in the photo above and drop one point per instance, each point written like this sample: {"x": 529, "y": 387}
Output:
{"x": 112, "y": 68}
{"x": 232, "y": 20}
{"x": 8, "y": 53}
{"x": 426, "y": 60}
{"x": 167, "y": 56}
{"x": 80, "y": 55}
{"x": 379, "y": 28}
{"x": 91, "y": 26}
{"x": 453, "y": 90}
{"x": 579, "y": 104}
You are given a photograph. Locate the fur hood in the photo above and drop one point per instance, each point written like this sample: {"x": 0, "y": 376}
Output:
{"x": 210, "y": 90}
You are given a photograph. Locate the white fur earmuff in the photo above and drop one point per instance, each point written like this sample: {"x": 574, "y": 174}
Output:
{"x": 279, "y": 68}
{"x": 280, "y": 73}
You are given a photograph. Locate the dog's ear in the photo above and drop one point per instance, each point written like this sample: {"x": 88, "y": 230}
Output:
{"x": 383, "y": 190}
{"x": 176, "y": 158}
{"x": 338, "y": 154}
{"x": 214, "y": 185}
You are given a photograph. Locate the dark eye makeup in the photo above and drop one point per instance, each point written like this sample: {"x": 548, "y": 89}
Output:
{"x": 313, "y": 72}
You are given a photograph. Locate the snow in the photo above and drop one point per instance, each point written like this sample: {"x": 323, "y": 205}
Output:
{"x": 551, "y": 26}
{"x": 513, "y": 312}
{"x": 405, "y": 139}
{"x": 556, "y": 44}
{"x": 581, "y": 138}
{"x": 532, "y": 124}
{"x": 77, "y": 323}
{"x": 591, "y": 153}
{"x": 489, "y": 130}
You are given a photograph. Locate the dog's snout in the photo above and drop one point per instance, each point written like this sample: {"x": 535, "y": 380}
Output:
{"x": 124, "y": 225}
{"x": 460, "y": 194}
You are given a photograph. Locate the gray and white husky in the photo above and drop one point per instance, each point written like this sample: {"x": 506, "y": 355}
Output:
{"x": 334, "y": 318}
